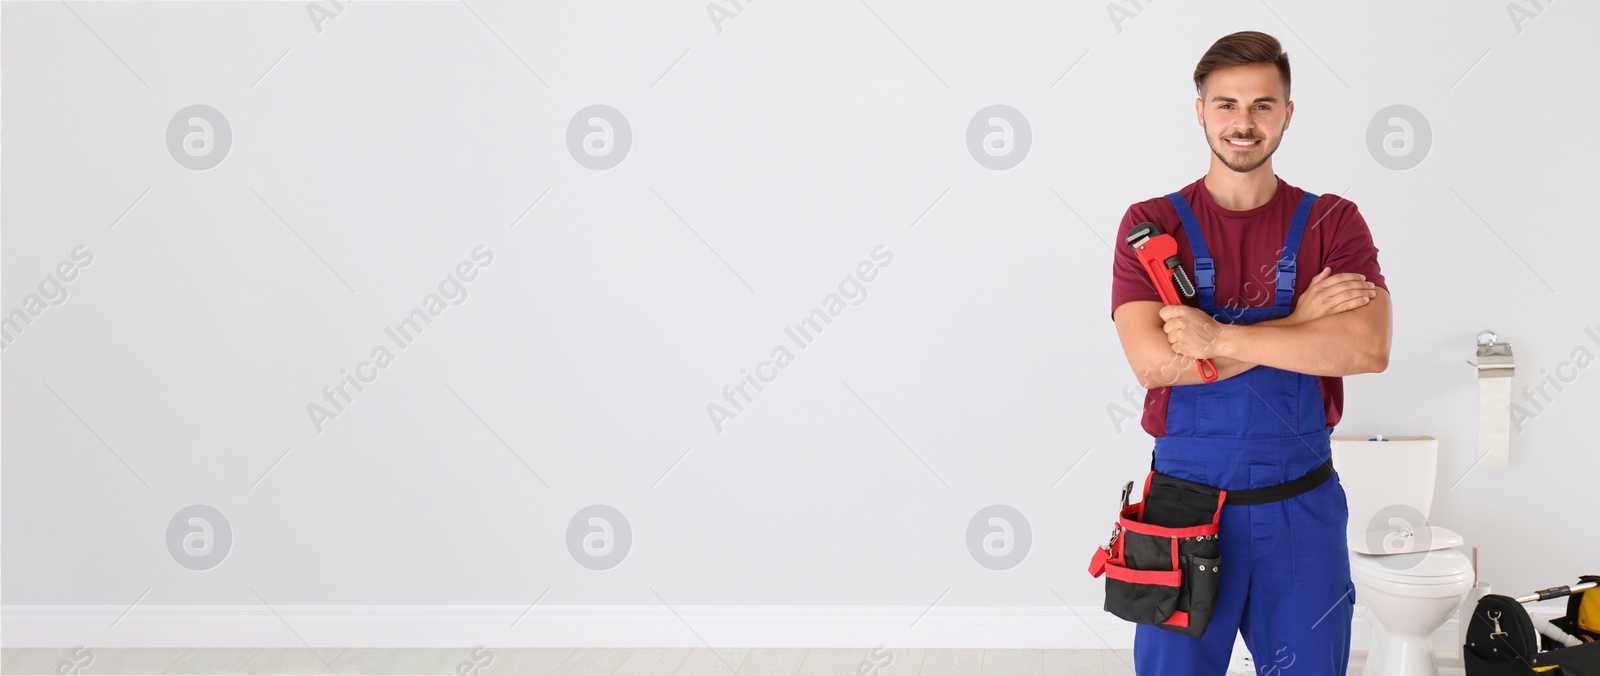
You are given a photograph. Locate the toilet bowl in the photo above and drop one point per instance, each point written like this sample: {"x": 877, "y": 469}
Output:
{"x": 1409, "y": 596}
{"x": 1410, "y": 574}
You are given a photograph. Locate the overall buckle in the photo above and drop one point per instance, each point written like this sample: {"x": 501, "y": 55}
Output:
{"x": 1204, "y": 273}
{"x": 1286, "y": 274}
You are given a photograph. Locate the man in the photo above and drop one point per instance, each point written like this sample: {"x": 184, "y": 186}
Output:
{"x": 1281, "y": 327}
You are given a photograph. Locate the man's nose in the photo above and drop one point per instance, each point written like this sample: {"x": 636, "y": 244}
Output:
{"x": 1246, "y": 122}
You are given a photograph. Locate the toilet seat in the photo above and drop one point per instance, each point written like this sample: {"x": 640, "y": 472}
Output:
{"x": 1396, "y": 541}
{"x": 1424, "y": 568}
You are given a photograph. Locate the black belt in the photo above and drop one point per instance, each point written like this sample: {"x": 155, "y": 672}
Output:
{"x": 1284, "y": 491}
{"x": 1261, "y": 496}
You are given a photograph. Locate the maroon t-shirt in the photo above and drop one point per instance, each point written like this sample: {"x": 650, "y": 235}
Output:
{"x": 1245, "y": 247}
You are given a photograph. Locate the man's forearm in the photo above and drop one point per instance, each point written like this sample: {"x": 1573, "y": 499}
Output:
{"x": 1181, "y": 370}
{"x": 1341, "y": 344}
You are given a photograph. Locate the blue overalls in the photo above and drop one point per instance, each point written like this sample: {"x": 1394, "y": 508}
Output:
{"x": 1286, "y": 572}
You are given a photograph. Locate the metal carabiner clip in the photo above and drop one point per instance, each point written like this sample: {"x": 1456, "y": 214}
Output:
{"x": 1494, "y": 616}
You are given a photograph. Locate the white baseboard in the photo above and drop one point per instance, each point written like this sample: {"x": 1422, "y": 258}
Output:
{"x": 287, "y": 626}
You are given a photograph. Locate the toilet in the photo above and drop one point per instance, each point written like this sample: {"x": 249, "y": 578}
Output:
{"x": 1410, "y": 574}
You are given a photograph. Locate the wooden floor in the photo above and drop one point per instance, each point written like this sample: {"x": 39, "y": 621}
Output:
{"x": 583, "y": 661}
{"x": 586, "y": 662}
{"x": 574, "y": 661}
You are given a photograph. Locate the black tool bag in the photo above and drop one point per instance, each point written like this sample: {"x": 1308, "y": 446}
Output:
{"x": 1162, "y": 563}
{"x": 1502, "y": 641}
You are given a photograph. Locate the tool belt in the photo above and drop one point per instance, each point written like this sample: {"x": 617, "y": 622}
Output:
{"x": 1162, "y": 564}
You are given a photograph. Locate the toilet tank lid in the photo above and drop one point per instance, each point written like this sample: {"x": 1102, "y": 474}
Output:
{"x": 1391, "y": 541}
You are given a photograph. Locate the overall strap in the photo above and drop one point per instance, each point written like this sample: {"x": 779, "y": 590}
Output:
{"x": 1291, "y": 249}
{"x": 1204, "y": 270}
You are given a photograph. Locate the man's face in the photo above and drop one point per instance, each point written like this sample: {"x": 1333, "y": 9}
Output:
{"x": 1244, "y": 111}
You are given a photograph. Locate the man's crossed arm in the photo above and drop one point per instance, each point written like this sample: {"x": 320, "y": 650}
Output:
{"x": 1344, "y": 344}
{"x": 1341, "y": 326}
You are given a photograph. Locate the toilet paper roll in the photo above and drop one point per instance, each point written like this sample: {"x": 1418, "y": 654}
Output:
{"x": 1494, "y": 422}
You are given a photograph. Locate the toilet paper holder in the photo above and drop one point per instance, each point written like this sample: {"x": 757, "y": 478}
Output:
{"x": 1494, "y": 358}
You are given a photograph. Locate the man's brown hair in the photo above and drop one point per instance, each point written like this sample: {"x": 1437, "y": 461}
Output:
{"x": 1241, "y": 48}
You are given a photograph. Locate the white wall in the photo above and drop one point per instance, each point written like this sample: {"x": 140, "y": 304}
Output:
{"x": 768, "y": 160}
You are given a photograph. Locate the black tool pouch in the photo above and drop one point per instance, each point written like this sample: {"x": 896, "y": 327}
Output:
{"x": 1162, "y": 563}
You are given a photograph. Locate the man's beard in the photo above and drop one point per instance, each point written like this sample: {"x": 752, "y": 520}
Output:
{"x": 1243, "y": 168}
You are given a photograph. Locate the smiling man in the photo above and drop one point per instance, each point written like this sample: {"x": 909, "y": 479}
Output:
{"x": 1290, "y": 298}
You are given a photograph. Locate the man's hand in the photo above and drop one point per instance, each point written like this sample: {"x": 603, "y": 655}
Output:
{"x": 1150, "y": 355}
{"x": 1330, "y": 295}
{"x": 1191, "y": 332}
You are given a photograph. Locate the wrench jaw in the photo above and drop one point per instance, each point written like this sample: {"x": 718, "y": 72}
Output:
{"x": 1141, "y": 233}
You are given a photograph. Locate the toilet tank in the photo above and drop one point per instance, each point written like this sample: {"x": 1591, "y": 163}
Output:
{"x": 1394, "y": 476}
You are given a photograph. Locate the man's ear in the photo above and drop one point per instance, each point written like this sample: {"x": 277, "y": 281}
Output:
{"x": 1288, "y": 114}
{"x": 1199, "y": 111}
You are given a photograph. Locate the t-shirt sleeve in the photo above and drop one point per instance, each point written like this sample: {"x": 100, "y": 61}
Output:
{"x": 1352, "y": 249}
{"x": 1129, "y": 281}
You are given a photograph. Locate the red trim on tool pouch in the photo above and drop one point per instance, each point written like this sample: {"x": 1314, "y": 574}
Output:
{"x": 1130, "y": 525}
{"x": 1165, "y": 578}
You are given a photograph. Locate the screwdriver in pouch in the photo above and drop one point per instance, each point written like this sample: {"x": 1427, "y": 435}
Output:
{"x": 1158, "y": 253}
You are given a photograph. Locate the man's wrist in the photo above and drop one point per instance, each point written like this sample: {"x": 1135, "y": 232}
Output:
{"x": 1231, "y": 339}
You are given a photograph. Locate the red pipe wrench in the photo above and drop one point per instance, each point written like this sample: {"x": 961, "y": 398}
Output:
{"x": 1158, "y": 253}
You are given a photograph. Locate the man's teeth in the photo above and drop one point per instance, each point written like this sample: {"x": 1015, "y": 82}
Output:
{"x": 1242, "y": 143}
